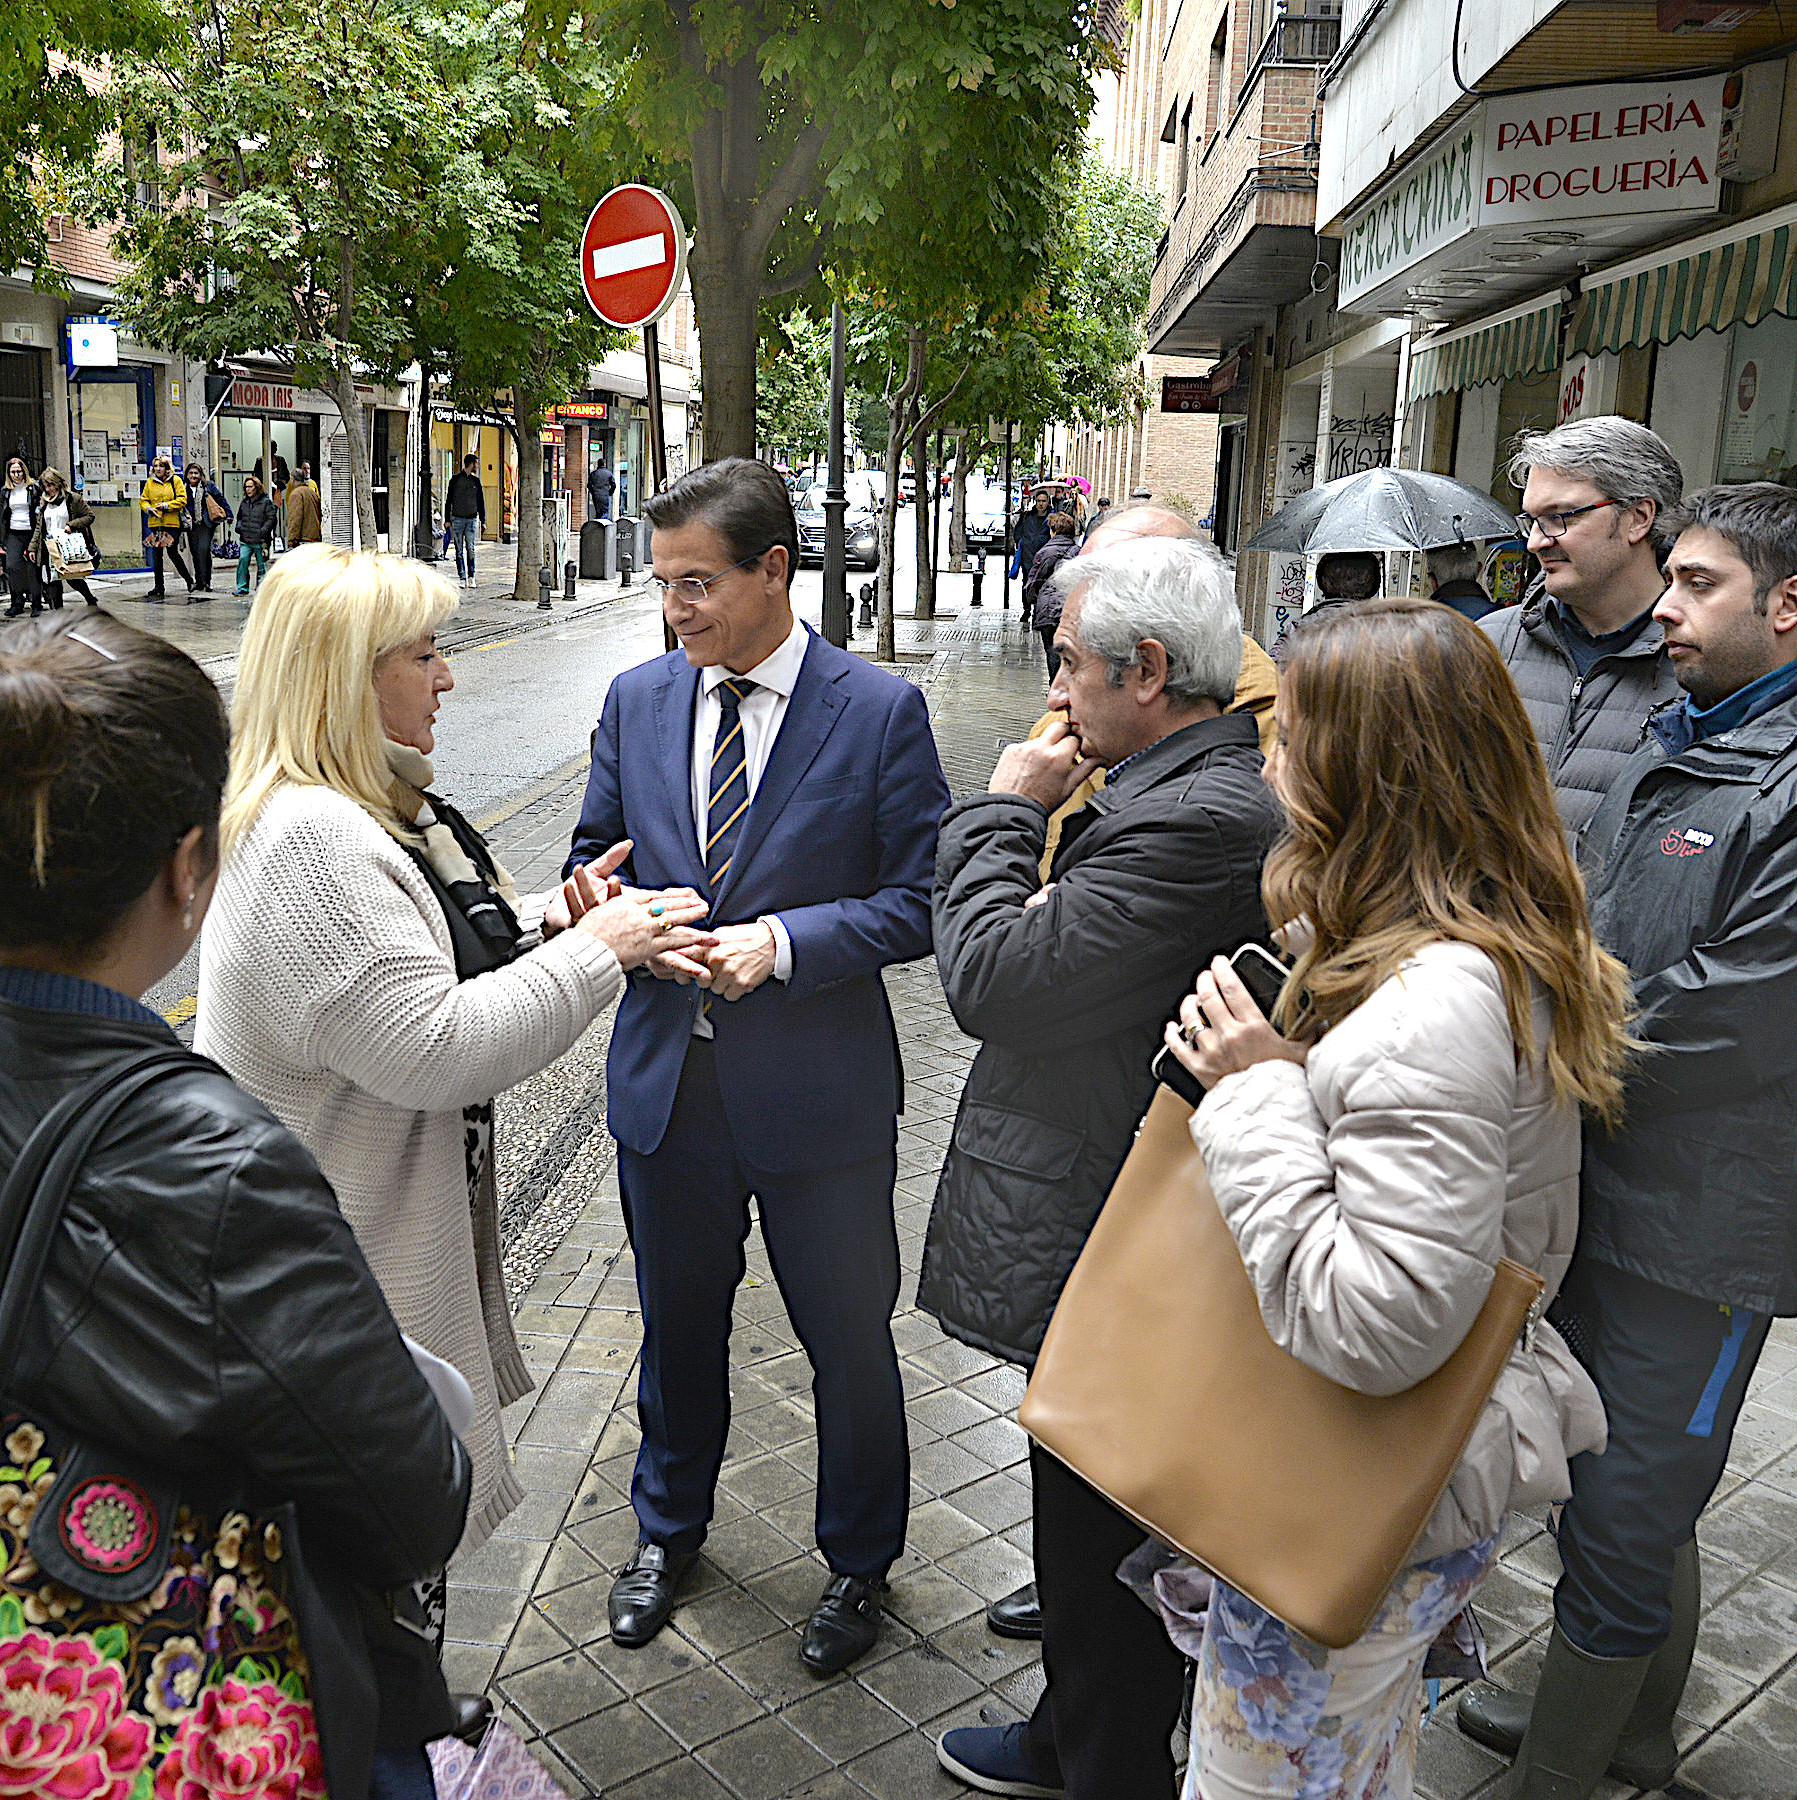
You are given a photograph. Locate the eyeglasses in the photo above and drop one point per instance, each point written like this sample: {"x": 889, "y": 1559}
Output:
{"x": 1553, "y": 525}
{"x": 692, "y": 588}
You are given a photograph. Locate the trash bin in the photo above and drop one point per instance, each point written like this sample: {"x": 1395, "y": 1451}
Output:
{"x": 592, "y": 550}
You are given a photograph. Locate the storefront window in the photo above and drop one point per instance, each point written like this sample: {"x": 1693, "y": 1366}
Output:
{"x": 1529, "y": 403}
{"x": 114, "y": 423}
{"x": 1760, "y": 405}
{"x": 293, "y": 437}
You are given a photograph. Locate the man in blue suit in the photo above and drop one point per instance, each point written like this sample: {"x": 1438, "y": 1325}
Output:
{"x": 798, "y": 788}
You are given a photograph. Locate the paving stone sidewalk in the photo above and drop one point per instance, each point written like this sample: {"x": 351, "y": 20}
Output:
{"x": 719, "y": 1704}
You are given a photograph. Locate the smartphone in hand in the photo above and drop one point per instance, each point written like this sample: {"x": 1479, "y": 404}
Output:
{"x": 1263, "y": 975}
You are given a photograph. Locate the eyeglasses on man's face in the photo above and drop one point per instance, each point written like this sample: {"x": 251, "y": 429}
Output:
{"x": 692, "y": 589}
{"x": 1553, "y": 525}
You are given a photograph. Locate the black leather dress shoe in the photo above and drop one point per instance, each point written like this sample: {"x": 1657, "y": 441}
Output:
{"x": 1017, "y": 1614}
{"x": 642, "y": 1597}
{"x": 843, "y": 1626}
{"x": 473, "y": 1714}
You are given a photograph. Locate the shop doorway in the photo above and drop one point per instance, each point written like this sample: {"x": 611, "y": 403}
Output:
{"x": 115, "y": 426}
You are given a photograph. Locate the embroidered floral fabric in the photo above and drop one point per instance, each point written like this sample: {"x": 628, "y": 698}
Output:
{"x": 199, "y": 1692}
{"x": 1275, "y": 1714}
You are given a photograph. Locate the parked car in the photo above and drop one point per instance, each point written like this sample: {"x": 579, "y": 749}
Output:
{"x": 985, "y": 519}
{"x": 907, "y": 489}
{"x": 861, "y": 526}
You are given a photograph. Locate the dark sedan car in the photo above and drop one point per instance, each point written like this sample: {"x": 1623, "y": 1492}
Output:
{"x": 861, "y": 526}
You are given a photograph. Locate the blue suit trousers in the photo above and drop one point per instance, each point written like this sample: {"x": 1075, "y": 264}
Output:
{"x": 834, "y": 1249}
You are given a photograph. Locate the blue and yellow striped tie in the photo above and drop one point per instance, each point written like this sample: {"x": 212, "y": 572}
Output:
{"x": 729, "y": 781}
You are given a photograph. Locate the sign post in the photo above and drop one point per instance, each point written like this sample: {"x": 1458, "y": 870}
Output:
{"x": 632, "y": 262}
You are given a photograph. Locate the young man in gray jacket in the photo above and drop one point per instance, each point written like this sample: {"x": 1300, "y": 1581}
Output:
{"x": 1583, "y": 646}
{"x": 1686, "y": 1247}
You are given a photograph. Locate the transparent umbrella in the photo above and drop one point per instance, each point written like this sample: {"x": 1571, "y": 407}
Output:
{"x": 1384, "y": 509}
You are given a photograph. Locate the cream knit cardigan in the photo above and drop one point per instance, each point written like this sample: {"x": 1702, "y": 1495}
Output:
{"x": 328, "y": 989}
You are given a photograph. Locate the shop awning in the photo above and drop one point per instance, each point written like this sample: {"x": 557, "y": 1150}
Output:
{"x": 1523, "y": 341}
{"x": 1733, "y": 277}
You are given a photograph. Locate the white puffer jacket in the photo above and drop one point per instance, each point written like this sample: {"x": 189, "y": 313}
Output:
{"x": 1373, "y": 1191}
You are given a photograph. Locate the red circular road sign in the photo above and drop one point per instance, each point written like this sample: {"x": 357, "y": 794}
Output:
{"x": 633, "y": 256}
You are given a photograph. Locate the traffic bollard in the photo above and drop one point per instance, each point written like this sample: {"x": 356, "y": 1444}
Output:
{"x": 569, "y": 570}
{"x": 624, "y": 561}
{"x": 979, "y": 577}
{"x": 545, "y": 586}
{"x": 866, "y": 620}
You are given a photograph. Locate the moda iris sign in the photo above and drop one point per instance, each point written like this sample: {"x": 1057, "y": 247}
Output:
{"x": 1528, "y": 161}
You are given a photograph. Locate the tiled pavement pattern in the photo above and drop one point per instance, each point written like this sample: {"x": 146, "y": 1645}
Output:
{"x": 720, "y": 1705}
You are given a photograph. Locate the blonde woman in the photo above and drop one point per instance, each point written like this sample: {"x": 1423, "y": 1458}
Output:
{"x": 1410, "y": 1115}
{"x": 361, "y": 970}
{"x": 164, "y": 506}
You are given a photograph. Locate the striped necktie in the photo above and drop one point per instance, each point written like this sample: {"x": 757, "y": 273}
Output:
{"x": 729, "y": 781}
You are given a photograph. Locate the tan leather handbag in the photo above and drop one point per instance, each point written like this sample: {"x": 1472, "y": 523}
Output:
{"x": 1159, "y": 1386}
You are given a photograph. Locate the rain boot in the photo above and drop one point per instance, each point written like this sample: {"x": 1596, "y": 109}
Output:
{"x": 1581, "y": 1706}
{"x": 1646, "y": 1754}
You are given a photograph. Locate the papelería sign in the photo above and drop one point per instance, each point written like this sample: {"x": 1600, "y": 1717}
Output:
{"x": 1532, "y": 161}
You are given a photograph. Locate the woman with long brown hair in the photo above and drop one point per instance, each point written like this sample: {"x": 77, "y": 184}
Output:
{"x": 1409, "y": 1116}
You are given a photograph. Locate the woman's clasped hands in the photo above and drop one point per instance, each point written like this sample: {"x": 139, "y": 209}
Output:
{"x": 1221, "y": 1031}
{"x": 635, "y": 923}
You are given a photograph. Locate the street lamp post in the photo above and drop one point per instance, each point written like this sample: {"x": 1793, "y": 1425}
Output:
{"x": 1010, "y": 527}
{"x": 836, "y": 499}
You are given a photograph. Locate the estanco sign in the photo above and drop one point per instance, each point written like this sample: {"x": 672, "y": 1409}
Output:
{"x": 1534, "y": 160}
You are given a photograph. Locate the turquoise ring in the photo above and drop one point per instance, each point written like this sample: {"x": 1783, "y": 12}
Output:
{"x": 656, "y": 909}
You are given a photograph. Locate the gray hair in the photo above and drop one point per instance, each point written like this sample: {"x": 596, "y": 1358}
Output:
{"x": 1177, "y": 591}
{"x": 1456, "y": 562}
{"x": 1621, "y": 459}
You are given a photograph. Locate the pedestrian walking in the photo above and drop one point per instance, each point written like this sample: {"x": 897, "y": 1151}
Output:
{"x": 1685, "y": 1248}
{"x": 1584, "y": 646}
{"x": 1343, "y": 578}
{"x": 362, "y": 973}
{"x": 1454, "y": 580}
{"x": 207, "y": 509}
{"x": 798, "y": 788}
{"x": 1067, "y": 986}
{"x": 1040, "y": 597}
{"x": 257, "y": 522}
{"x": 21, "y": 500}
{"x": 62, "y": 540}
{"x": 1032, "y": 532}
{"x": 272, "y": 1470}
{"x": 163, "y": 503}
{"x": 1098, "y": 517}
{"x": 304, "y": 521}
{"x": 466, "y": 507}
{"x": 1409, "y": 1115}
{"x": 601, "y": 485}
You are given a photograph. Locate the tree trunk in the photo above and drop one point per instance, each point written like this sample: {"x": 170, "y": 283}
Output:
{"x": 527, "y": 410}
{"x": 361, "y": 473}
{"x": 899, "y": 414}
{"x": 725, "y": 303}
{"x": 926, "y": 560}
{"x": 957, "y": 515}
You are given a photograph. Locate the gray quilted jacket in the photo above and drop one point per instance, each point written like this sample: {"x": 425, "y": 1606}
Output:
{"x": 1589, "y": 725}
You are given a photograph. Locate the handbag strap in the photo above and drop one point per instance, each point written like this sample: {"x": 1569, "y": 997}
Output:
{"x": 43, "y": 1175}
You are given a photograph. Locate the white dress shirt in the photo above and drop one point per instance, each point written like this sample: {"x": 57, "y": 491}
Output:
{"x": 762, "y": 715}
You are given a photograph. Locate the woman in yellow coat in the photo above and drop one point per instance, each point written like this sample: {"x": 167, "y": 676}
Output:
{"x": 164, "y": 504}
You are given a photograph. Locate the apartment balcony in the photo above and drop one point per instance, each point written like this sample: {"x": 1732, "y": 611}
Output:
{"x": 1242, "y": 237}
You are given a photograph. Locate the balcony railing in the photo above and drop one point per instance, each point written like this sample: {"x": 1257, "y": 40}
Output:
{"x": 1299, "y": 35}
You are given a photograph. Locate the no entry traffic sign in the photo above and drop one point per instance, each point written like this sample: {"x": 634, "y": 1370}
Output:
{"x": 633, "y": 256}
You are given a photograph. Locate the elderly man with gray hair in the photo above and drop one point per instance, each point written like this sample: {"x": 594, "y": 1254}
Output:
{"x": 1584, "y": 648}
{"x": 1068, "y": 986}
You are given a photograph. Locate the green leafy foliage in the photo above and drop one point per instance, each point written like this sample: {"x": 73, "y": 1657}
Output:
{"x": 56, "y": 109}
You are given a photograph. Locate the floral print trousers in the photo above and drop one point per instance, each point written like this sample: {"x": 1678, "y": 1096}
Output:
{"x": 1278, "y": 1717}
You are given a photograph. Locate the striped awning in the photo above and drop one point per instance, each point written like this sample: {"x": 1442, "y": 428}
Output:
{"x": 1523, "y": 341}
{"x": 1728, "y": 278}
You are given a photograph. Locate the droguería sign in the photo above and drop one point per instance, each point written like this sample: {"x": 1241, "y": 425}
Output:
{"x": 1527, "y": 161}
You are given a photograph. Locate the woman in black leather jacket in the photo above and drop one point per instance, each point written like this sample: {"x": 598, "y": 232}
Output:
{"x": 205, "y": 1314}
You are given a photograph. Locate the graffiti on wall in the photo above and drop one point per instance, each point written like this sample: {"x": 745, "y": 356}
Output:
{"x": 1363, "y": 442}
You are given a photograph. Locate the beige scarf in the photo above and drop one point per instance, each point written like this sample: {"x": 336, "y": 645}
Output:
{"x": 413, "y": 773}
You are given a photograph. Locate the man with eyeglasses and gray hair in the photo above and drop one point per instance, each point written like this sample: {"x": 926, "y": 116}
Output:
{"x": 1583, "y": 646}
{"x": 1068, "y": 987}
{"x": 796, "y": 788}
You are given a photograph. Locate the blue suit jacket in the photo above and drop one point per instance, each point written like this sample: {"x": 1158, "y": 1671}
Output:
{"x": 840, "y": 842}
